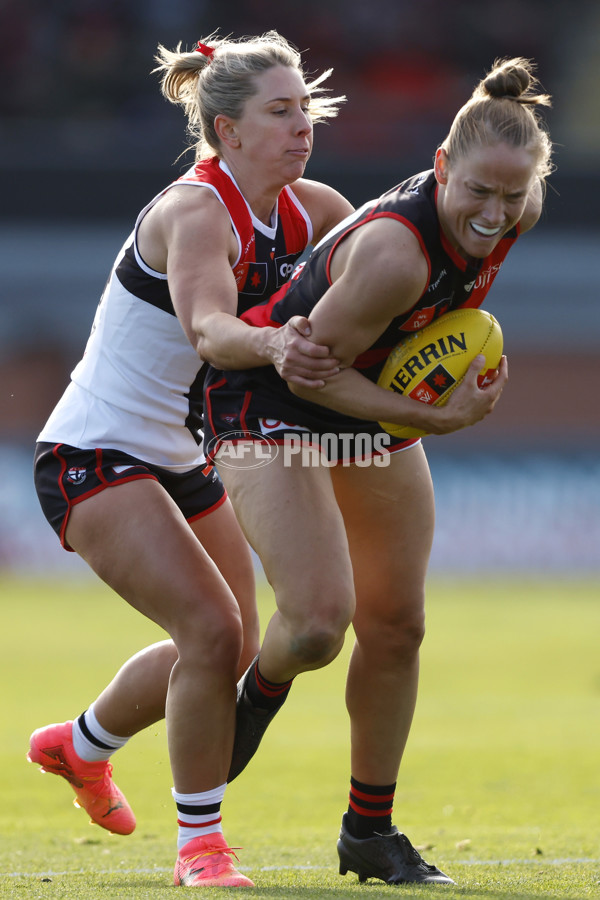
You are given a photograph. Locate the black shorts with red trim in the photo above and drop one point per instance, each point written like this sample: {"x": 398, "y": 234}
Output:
{"x": 65, "y": 476}
{"x": 241, "y": 407}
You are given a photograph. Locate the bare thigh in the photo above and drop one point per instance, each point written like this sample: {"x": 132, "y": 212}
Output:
{"x": 290, "y": 516}
{"x": 220, "y": 534}
{"x": 389, "y": 519}
{"x": 136, "y": 539}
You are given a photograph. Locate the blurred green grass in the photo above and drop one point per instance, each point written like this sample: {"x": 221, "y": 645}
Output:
{"x": 500, "y": 780}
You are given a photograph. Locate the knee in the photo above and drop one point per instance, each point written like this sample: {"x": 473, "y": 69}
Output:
{"x": 316, "y": 648}
{"x": 211, "y": 639}
{"x": 318, "y": 639}
{"x": 158, "y": 659}
{"x": 407, "y": 635}
{"x": 395, "y": 639}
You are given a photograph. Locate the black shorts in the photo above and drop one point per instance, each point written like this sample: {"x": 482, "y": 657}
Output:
{"x": 64, "y": 476}
{"x": 234, "y": 416}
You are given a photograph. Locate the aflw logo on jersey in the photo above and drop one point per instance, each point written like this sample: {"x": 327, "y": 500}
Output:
{"x": 444, "y": 346}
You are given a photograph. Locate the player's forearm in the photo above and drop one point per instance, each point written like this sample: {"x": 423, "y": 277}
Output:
{"x": 228, "y": 343}
{"x": 351, "y": 394}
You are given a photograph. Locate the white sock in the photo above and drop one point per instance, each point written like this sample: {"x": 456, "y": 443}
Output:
{"x": 91, "y": 741}
{"x": 198, "y": 814}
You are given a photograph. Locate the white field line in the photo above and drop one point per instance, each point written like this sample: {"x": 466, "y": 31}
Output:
{"x": 159, "y": 869}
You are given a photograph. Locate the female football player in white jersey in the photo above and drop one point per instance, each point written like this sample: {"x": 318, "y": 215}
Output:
{"x": 119, "y": 469}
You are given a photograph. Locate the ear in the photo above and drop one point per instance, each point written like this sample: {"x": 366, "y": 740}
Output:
{"x": 440, "y": 167}
{"x": 226, "y": 131}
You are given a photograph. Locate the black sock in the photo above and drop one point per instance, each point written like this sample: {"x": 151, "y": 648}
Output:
{"x": 370, "y": 809}
{"x": 266, "y": 694}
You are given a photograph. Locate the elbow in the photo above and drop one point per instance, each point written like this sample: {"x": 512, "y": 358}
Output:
{"x": 304, "y": 393}
{"x": 297, "y": 390}
{"x": 203, "y": 337}
{"x": 196, "y": 339}
{"x": 200, "y": 346}
{"x": 206, "y": 351}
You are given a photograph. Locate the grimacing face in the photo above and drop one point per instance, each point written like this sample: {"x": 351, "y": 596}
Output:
{"x": 483, "y": 195}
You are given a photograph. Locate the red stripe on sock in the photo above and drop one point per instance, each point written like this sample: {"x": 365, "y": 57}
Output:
{"x": 199, "y": 824}
{"x": 372, "y": 813}
{"x": 371, "y": 798}
{"x": 269, "y": 688}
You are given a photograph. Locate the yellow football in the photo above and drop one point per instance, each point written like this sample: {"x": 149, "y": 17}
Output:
{"x": 429, "y": 364}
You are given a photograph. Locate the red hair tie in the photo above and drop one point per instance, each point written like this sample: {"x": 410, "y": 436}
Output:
{"x": 205, "y": 49}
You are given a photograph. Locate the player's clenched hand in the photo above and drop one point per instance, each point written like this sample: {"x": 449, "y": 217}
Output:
{"x": 470, "y": 403}
{"x": 297, "y": 358}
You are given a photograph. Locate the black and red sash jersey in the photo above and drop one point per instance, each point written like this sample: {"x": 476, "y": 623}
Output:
{"x": 452, "y": 282}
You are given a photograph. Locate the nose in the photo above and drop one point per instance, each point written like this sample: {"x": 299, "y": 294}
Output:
{"x": 493, "y": 211}
{"x": 303, "y": 122}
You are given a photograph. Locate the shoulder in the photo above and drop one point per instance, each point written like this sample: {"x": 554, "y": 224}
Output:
{"x": 385, "y": 241}
{"x": 185, "y": 216}
{"x": 189, "y": 206}
{"x": 189, "y": 196}
{"x": 383, "y": 260}
{"x": 325, "y": 206}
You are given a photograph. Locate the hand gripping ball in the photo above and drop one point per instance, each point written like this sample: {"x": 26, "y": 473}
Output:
{"x": 429, "y": 364}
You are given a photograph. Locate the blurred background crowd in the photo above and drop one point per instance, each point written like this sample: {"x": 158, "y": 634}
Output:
{"x": 86, "y": 140}
{"x": 77, "y": 89}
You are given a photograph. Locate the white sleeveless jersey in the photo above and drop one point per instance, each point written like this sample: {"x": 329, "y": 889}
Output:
{"x": 138, "y": 387}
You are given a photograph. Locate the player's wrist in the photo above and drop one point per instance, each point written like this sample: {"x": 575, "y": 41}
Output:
{"x": 263, "y": 344}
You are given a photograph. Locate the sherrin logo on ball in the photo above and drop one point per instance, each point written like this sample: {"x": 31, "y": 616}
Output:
{"x": 429, "y": 364}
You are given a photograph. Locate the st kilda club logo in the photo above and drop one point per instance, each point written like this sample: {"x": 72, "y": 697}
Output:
{"x": 76, "y": 475}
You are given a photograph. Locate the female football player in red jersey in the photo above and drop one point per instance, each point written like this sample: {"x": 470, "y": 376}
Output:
{"x": 119, "y": 468}
{"x": 350, "y": 543}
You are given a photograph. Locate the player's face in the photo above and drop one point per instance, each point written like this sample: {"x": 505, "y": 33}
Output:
{"x": 275, "y": 130}
{"x": 483, "y": 195}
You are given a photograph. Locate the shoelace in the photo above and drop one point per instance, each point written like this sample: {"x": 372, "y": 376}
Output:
{"x": 412, "y": 854}
{"x": 214, "y": 852}
{"x": 107, "y": 772}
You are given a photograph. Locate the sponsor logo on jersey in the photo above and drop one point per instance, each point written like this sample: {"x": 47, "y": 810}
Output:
{"x": 284, "y": 266}
{"x": 267, "y": 426}
{"x": 485, "y": 278}
{"x": 433, "y": 286}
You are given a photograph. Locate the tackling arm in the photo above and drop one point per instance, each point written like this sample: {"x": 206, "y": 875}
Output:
{"x": 188, "y": 234}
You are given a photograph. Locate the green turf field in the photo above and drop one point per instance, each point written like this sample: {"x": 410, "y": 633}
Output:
{"x": 501, "y": 781}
